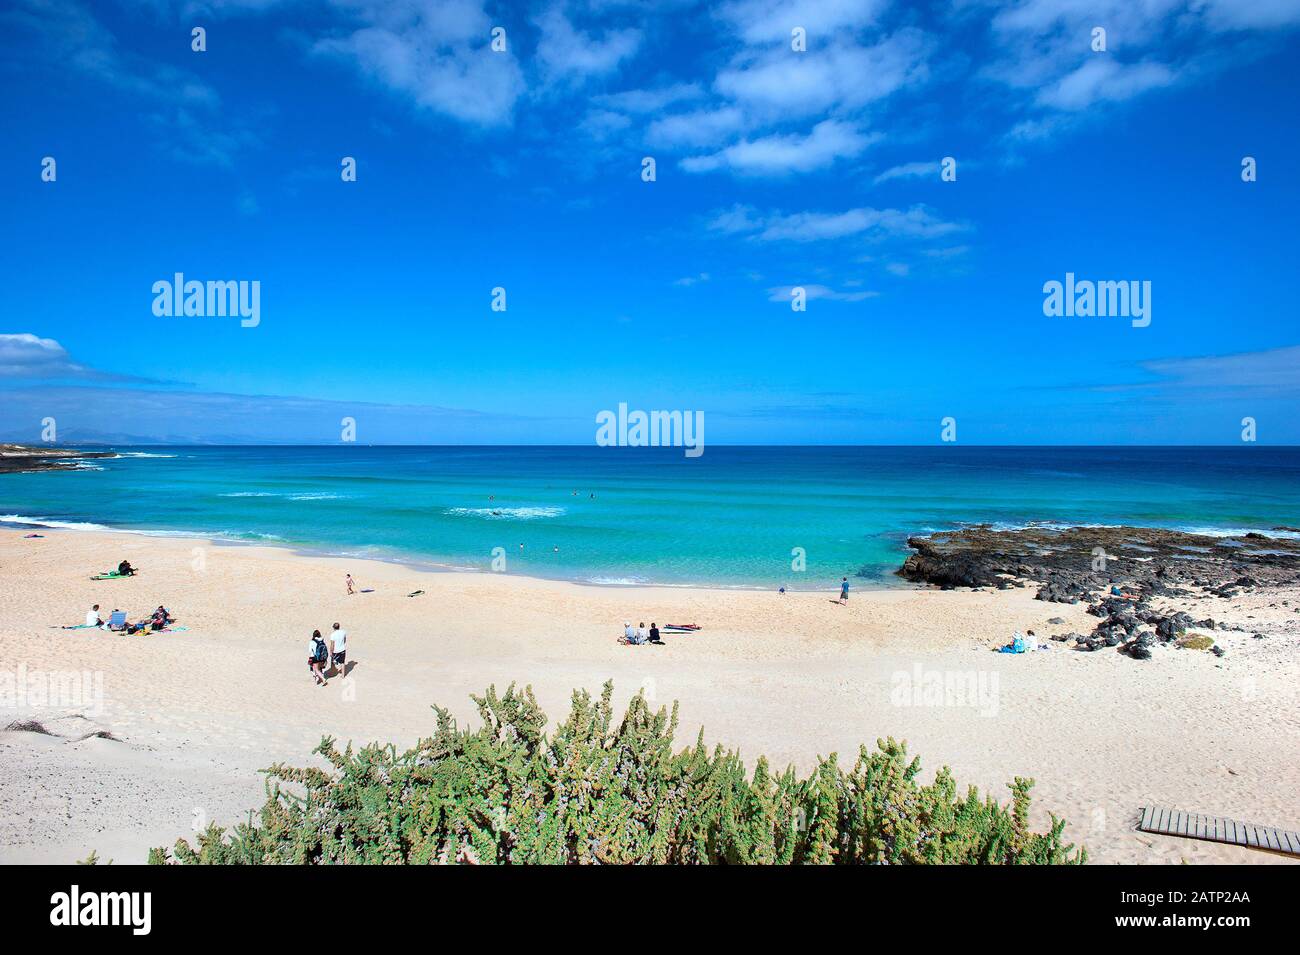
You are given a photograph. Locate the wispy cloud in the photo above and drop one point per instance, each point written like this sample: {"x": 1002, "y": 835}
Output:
{"x": 784, "y": 293}
{"x": 917, "y": 222}
{"x": 689, "y": 280}
{"x": 566, "y": 53}
{"x": 1274, "y": 370}
{"x": 910, "y": 170}
{"x": 435, "y": 55}
{"x": 828, "y": 142}
{"x": 182, "y": 107}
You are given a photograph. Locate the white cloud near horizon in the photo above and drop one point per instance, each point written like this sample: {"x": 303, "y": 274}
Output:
{"x": 27, "y": 356}
{"x": 1273, "y": 369}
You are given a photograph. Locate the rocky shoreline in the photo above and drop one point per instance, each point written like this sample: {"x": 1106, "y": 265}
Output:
{"x": 1117, "y": 571}
{"x": 17, "y": 458}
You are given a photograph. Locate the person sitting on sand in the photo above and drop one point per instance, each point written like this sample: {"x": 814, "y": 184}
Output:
{"x": 629, "y": 632}
{"x": 654, "y": 633}
{"x": 92, "y": 617}
{"x": 642, "y": 635}
{"x": 160, "y": 619}
{"x": 844, "y": 591}
{"x": 125, "y": 569}
{"x": 351, "y": 586}
{"x": 339, "y": 650}
{"x": 317, "y": 654}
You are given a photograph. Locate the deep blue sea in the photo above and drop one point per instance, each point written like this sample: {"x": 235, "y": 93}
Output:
{"x": 734, "y": 516}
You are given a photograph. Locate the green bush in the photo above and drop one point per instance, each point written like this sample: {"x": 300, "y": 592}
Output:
{"x": 598, "y": 791}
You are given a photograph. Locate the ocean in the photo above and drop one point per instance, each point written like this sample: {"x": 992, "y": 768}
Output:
{"x": 801, "y": 517}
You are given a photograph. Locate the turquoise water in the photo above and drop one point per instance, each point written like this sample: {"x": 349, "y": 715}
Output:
{"x": 634, "y": 515}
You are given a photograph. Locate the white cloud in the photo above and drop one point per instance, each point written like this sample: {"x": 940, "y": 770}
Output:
{"x": 739, "y": 218}
{"x": 911, "y": 170}
{"x": 435, "y": 54}
{"x": 24, "y": 355}
{"x": 764, "y": 21}
{"x": 705, "y": 127}
{"x": 602, "y": 123}
{"x": 828, "y": 142}
{"x": 783, "y": 293}
{"x": 1101, "y": 79}
{"x": 1250, "y": 14}
{"x": 782, "y": 84}
{"x": 641, "y": 101}
{"x": 564, "y": 52}
{"x": 917, "y": 222}
{"x": 689, "y": 280}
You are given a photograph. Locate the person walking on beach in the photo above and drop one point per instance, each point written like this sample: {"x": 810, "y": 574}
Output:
{"x": 317, "y": 654}
{"x": 351, "y": 586}
{"x": 844, "y": 591}
{"x": 339, "y": 650}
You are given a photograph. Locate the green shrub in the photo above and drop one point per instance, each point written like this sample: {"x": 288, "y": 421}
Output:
{"x": 598, "y": 791}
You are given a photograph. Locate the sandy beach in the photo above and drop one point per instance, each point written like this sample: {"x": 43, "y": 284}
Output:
{"x": 193, "y": 715}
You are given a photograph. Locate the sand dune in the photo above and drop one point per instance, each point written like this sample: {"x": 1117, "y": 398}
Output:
{"x": 195, "y": 714}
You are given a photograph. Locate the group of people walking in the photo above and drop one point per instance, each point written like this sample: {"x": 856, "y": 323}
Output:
{"x": 328, "y": 656}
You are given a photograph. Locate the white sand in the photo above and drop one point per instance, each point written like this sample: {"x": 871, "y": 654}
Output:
{"x": 196, "y": 714}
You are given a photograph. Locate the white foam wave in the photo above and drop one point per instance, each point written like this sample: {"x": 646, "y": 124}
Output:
{"x": 48, "y": 522}
{"x": 507, "y": 513}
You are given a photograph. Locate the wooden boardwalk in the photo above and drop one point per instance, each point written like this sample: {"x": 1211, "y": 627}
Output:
{"x": 1192, "y": 825}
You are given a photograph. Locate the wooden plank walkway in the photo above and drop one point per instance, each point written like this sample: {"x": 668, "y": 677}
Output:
{"x": 1174, "y": 822}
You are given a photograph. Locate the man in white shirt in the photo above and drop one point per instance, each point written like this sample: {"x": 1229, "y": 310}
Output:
{"x": 339, "y": 650}
{"x": 92, "y": 617}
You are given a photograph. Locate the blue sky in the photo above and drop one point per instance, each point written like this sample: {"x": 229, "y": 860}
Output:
{"x": 775, "y": 168}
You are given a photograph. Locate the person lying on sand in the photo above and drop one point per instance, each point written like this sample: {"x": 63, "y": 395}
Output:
{"x": 317, "y": 654}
